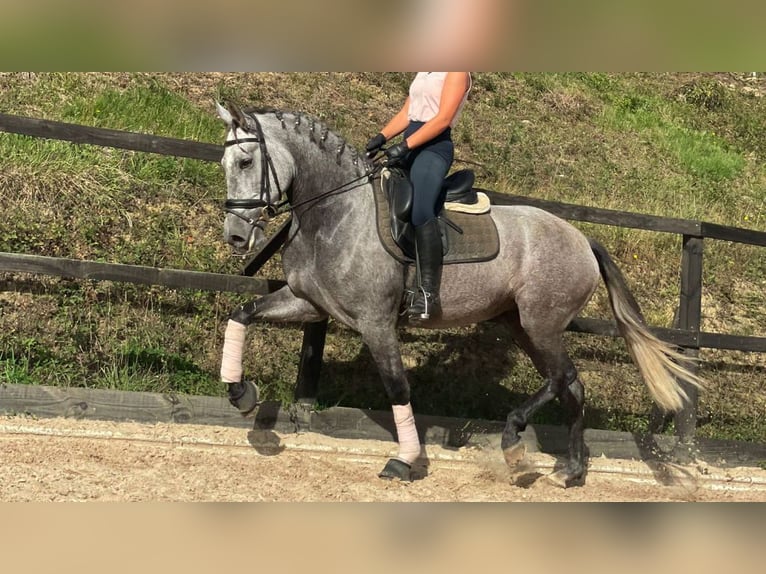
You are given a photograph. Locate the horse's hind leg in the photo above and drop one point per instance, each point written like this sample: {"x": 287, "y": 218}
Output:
{"x": 561, "y": 381}
{"x": 573, "y": 400}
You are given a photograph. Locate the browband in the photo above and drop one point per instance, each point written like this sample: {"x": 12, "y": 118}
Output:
{"x": 237, "y": 142}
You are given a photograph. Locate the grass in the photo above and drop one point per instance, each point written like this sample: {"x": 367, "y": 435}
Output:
{"x": 679, "y": 145}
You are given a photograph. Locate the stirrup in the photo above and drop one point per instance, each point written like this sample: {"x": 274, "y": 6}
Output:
{"x": 407, "y": 301}
{"x": 425, "y": 315}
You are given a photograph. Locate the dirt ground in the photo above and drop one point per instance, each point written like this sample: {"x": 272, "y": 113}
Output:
{"x": 71, "y": 460}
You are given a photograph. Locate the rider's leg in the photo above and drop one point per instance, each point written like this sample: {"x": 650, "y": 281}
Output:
{"x": 427, "y": 174}
{"x": 428, "y": 247}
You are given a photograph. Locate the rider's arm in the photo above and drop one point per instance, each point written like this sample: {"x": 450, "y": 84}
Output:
{"x": 398, "y": 123}
{"x": 455, "y": 86}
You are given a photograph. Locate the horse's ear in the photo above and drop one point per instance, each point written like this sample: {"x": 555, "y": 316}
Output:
{"x": 238, "y": 117}
{"x": 224, "y": 114}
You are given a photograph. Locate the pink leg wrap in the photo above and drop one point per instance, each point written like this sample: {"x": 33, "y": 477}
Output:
{"x": 231, "y": 360}
{"x": 409, "y": 443}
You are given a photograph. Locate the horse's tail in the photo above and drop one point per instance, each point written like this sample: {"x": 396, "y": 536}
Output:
{"x": 660, "y": 364}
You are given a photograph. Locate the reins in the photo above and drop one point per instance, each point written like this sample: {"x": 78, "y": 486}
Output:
{"x": 368, "y": 175}
{"x": 270, "y": 209}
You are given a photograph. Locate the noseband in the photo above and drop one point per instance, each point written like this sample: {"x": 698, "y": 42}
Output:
{"x": 268, "y": 208}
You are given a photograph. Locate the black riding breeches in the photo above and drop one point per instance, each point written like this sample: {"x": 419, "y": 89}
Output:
{"x": 428, "y": 165}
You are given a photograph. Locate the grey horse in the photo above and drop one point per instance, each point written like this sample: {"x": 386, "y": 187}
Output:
{"x": 335, "y": 266}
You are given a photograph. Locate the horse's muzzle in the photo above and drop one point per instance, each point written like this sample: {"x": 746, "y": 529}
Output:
{"x": 244, "y": 237}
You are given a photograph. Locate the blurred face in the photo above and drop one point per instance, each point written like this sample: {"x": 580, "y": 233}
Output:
{"x": 464, "y": 34}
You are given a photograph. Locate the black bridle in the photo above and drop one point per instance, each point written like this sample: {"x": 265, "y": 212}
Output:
{"x": 268, "y": 208}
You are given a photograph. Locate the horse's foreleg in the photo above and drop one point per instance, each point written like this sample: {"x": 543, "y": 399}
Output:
{"x": 387, "y": 356}
{"x": 281, "y": 306}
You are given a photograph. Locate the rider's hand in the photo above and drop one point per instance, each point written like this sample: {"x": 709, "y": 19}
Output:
{"x": 374, "y": 145}
{"x": 396, "y": 154}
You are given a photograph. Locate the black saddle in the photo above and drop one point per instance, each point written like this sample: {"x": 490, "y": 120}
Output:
{"x": 457, "y": 188}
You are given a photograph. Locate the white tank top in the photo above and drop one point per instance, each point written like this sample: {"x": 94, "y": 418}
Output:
{"x": 425, "y": 95}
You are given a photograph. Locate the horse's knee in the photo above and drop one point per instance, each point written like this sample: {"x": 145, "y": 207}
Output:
{"x": 244, "y": 314}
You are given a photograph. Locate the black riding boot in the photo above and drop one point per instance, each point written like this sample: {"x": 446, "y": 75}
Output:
{"x": 428, "y": 246}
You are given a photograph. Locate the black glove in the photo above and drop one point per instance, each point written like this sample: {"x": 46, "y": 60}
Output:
{"x": 374, "y": 145}
{"x": 396, "y": 154}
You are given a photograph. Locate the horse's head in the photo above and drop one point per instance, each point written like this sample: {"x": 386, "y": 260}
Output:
{"x": 259, "y": 169}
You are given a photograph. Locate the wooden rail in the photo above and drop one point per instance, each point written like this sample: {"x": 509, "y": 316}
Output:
{"x": 343, "y": 422}
{"x": 686, "y": 333}
{"x": 172, "y": 278}
{"x": 109, "y": 138}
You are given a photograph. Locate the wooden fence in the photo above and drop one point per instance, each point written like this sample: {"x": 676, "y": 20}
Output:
{"x": 686, "y": 333}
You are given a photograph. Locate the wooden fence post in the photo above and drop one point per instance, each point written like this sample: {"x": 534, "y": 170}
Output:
{"x": 689, "y": 319}
{"x": 307, "y": 384}
{"x": 269, "y": 249}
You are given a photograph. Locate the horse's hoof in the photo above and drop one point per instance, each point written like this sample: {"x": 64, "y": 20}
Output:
{"x": 564, "y": 479}
{"x": 514, "y": 454}
{"x": 396, "y": 469}
{"x": 244, "y": 397}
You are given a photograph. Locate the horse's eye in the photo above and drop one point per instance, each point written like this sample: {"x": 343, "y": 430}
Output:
{"x": 245, "y": 163}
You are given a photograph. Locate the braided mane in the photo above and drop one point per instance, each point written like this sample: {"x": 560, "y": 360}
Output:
{"x": 318, "y": 133}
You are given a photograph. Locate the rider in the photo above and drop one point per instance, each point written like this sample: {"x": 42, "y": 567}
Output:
{"x": 430, "y": 111}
